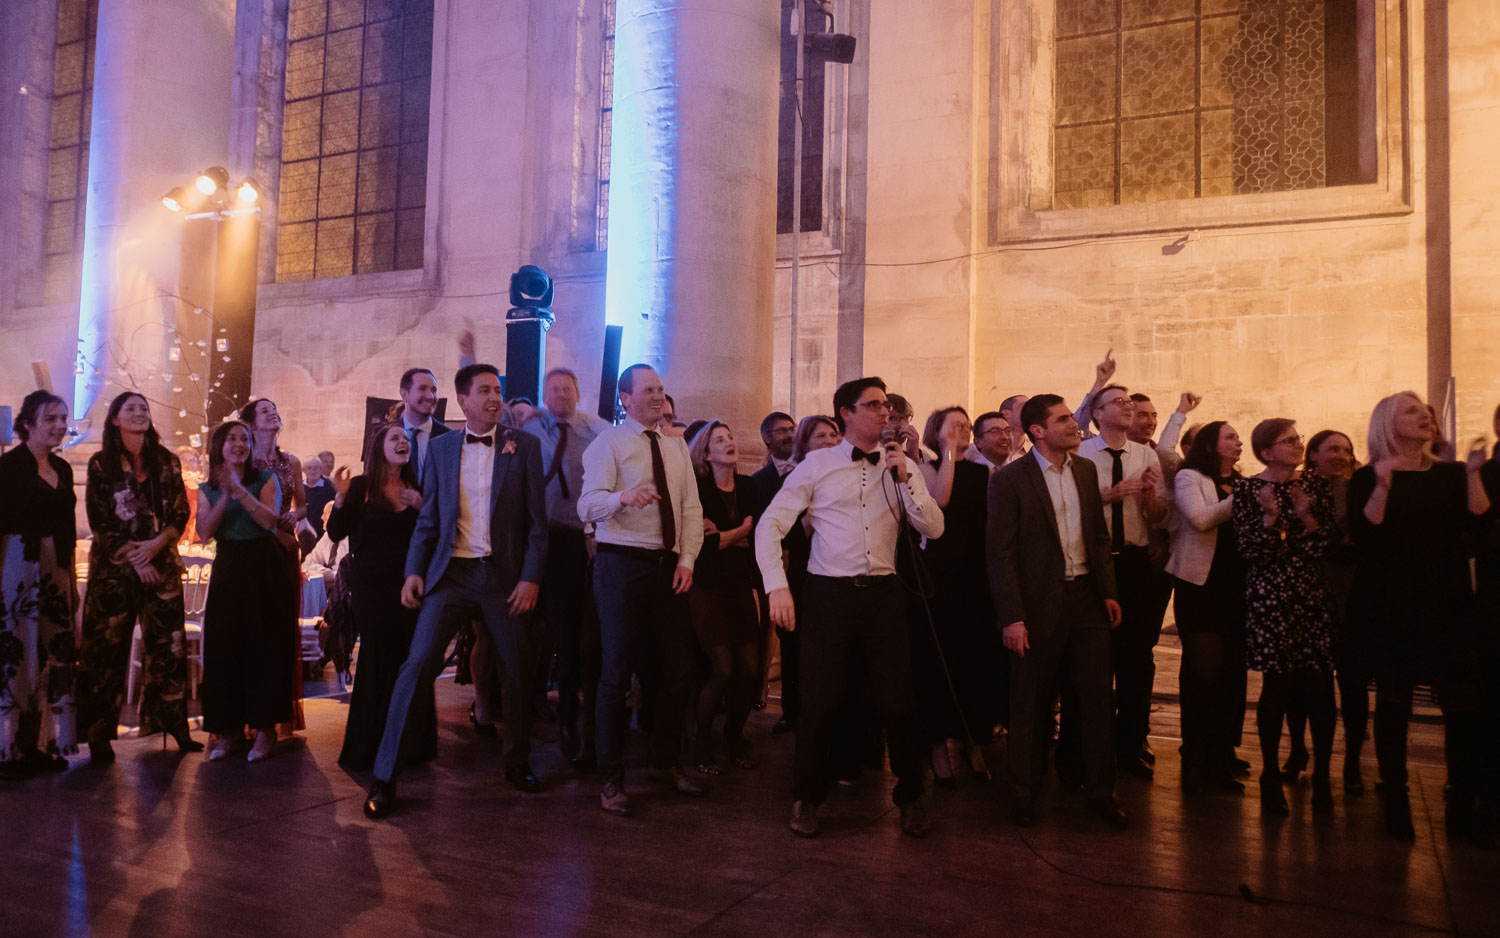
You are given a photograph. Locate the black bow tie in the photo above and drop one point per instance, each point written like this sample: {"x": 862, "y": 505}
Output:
{"x": 859, "y": 454}
{"x": 486, "y": 440}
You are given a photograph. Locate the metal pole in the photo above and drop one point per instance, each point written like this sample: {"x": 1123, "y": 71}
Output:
{"x": 798, "y": 26}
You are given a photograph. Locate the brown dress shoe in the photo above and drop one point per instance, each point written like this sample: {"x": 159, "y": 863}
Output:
{"x": 674, "y": 779}
{"x": 613, "y": 800}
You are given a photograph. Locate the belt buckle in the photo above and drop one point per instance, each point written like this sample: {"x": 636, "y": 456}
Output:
{"x": 861, "y": 580}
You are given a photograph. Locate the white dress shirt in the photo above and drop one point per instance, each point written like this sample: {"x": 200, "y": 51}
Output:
{"x": 620, "y": 459}
{"x": 1068, "y": 511}
{"x": 853, "y": 508}
{"x": 476, "y": 470}
{"x": 1135, "y": 460}
{"x": 784, "y": 467}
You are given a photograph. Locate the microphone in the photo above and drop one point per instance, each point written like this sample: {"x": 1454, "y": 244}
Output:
{"x": 888, "y": 436}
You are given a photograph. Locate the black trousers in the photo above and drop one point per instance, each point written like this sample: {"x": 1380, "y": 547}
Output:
{"x": 1075, "y": 649}
{"x": 1144, "y": 591}
{"x": 573, "y": 623}
{"x": 640, "y": 616}
{"x": 847, "y": 631}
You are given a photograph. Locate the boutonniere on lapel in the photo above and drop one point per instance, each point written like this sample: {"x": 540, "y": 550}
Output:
{"x": 510, "y": 444}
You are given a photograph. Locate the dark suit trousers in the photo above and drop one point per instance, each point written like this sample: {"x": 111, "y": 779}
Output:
{"x": 1076, "y": 648}
{"x": 850, "y": 631}
{"x": 574, "y": 624}
{"x": 468, "y": 588}
{"x": 1143, "y": 593}
{"x": 639, "y": 613}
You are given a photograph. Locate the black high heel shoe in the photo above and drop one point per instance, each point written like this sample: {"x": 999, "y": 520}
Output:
{"x": 183, "y": 737}
{"x": 486, "y": 730}
{"x": 1296, "y": 764}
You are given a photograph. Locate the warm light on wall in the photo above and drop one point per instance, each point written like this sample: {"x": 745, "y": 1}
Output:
{"x": 212, "y": 180}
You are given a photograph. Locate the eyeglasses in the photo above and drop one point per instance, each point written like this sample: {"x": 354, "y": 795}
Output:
{"x": 1294, "y": 440}
{"x": 874, "y": 406}
{"x": 1119, "y": 402}
{"x": 992, "y": 430}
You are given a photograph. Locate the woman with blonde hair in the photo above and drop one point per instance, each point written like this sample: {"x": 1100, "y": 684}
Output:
{"x": 1408, "y": 513}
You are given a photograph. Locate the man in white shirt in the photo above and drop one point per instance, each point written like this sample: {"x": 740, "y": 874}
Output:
{"x": 565, "y": 432}
{"x": 478, "y": 552}
{"x": 419, "y": 399}
{"x": 856, "y": 495}
{"x": 641, "y": 495}
{"x": 1052, "y": 582}
{"x": 1135, "y": 504}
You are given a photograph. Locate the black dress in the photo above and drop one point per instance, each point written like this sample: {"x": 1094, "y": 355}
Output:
{"x": 722, "y": 598}
{"x": 378, "y": 539}
{"x": 963, "y": 616}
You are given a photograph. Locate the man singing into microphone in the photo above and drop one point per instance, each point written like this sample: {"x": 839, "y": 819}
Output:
{"x": 856, "y": 495}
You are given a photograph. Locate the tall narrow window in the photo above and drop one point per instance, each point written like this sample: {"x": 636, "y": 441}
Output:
{"x": 68, "y": 151}
{"x": 815, "y": 16}
{"x": 1181, "y": 99}
{"x": 354, "y": 138}
{"x": 606, "y": 119}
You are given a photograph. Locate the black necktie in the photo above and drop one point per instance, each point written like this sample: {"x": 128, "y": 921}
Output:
{"x": 486, "y": 440}
{"x": 857, "y": 454}
{"x": 557, "y": 460}
{"x": 1117, "y": 510}
{"x": 664, "y": 505}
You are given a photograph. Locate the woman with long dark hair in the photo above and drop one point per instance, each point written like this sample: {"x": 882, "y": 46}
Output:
{"x": 954, "y": 689}
{"x": 37, "y": 593}
{"x": 1284, "y": 527}
{"x": 377, "y": 512}
{"x": 1209, "y": 603}
{"x": 246, "y": 678}
{"x": 264, "y": 422}
{"x": 138, "y": 511}
{"x": 1409, "y": 513}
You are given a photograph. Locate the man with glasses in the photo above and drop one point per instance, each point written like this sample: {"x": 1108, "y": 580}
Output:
{"x": 992, "y": 440}
{"x": 858, "y": 495}
{"x": 1134, "y": 495}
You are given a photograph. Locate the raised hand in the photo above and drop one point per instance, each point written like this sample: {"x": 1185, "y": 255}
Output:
{"x": 342, "y": 479}
{"x": 1188, "y": 402}
{"x": 1105, "y": 370}
{"x": 1383, "y": 469}
{"x": 1477, "y": 455}
{"x": 1265, "y": 496}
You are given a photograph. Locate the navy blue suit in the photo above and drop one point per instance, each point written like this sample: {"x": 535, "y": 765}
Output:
{"x": 460, "y": 588}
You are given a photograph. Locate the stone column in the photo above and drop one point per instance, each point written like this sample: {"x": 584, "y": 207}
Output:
{"x": 692, "y": 215}
{"x": 160, "y": 115}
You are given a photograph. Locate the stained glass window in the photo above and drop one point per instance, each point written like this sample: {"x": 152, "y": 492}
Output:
{"x": 1180, "y": 99}
{"x": 68, "y": 150}
{"x": 606, "y": 119}
{"x": 813, "y": 84}
{"x": 354, "y": 138}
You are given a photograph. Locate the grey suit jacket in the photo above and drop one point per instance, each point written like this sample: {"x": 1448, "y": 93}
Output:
{"x": 518, "y": 509}
{"x": 1024, "y": 551}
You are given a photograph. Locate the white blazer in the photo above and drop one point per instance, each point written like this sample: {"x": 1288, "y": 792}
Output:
{"x": 1195, "y": 525}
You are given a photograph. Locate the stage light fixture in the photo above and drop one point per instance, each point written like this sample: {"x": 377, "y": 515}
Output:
{"x": 212, "y": 180}
{"x": 248, "y": 192}
{"x": 174, "y": 199}
{"x": 530, "y": 289}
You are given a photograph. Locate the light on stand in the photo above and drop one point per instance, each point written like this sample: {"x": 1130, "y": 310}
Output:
{"x": 212, "y": 180}
{"x": 173, "y": 199}
{"x": 248, "y": 192}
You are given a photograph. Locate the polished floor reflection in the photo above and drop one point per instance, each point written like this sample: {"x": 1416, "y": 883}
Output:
{"x": 166, "y": 845}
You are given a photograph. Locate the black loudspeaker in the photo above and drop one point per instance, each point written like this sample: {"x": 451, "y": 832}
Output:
{"x": 609, "y": 374}
{"x": 525, "y": 351}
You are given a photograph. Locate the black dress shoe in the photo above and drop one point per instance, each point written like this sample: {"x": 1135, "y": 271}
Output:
{"x": 914, "y": 822}
{"x": 1136, "y": 767}
{"x": 1107, "y": 810}
{"x": 1023, "y": 811}
{"x": 1147, "y": 754}
{"x": 521, "y": 778}
{"x": 380, "y": 800}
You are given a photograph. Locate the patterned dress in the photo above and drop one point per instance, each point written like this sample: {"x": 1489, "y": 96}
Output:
{"x": 1290, "y": 621}
{"x": 36, "y": 608}
{"x": 289, "y": 478}
{"x": 121, "y": 509}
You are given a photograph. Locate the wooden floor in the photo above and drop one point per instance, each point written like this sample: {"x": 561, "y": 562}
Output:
{"x": 166, "y": 845}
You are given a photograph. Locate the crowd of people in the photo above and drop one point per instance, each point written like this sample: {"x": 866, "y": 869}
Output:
{"x": 928, "y": 592}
